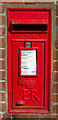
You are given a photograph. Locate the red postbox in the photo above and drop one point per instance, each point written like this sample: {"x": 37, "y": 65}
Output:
{"x": 29, "y": 59}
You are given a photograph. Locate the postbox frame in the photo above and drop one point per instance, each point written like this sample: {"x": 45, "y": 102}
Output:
{"x": 18, "y": 110}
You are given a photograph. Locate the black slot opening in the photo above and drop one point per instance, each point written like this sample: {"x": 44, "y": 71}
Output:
{"x": 29, "y": 27}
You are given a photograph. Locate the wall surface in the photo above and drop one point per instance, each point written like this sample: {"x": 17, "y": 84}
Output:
{"x": 3, "y": 68}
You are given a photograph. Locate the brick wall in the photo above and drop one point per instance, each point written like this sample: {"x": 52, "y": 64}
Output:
{"x": 55, "y": 86}
{"x": 3, "y": 113}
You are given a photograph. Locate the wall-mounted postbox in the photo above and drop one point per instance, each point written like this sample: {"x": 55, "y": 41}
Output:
{"x": 29, "y": 59}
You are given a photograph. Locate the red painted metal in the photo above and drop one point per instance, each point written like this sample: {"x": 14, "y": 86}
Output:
{"x": 29, "y": 93}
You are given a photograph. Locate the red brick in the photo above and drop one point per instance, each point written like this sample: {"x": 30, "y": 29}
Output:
{"x": 2, "y": 20}
{"x": 55, "y": 109}
{"x": 2, "y": 42}
{"x": 57, "y": 10}
{"x": 31, "y": 117}
{"x": 56, "y": 117}
{"x": 1, "y": 8}
{"x": 2, "y": 64}
{"x": 44, "y": 117}
{"x": 57, "y": 21}
{"x": 55, "y": 77}
{"x": 2, "y": 86}
{"x": 0, "y": 116}
{"x": 2, "y": 107}
{"x": 6, "y": 115}
{"x": 2, "y": 53}
{"x": 2, "y": 31}
{"x": 2, "y": 96}
{"x": 57, "y": 33}
{"x": 55, "y": 66}
{"x": 55, "y": 88}
{"x": 55, "y": 55}
{"x": 26, "y": 116}
{"x": 55, "y": 98}
{"x": 56, "y": 44}
{"x": 2, "y": 75}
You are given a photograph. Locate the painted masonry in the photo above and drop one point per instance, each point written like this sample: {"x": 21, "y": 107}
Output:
{"x": 4, "y": 4}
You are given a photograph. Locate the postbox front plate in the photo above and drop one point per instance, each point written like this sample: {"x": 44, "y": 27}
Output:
{"x": 29, "y": 60}
{"x": 28, "y": 84}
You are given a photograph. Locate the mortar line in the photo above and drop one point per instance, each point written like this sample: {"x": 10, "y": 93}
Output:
{"x": 3, "y": 36}
{"x": 2, "y": 48}
{"x": 2, "y": 26}
{"x": 55, "y": 2}
{"x": 1, "y": 4}
{"x": 2, "y": 102}
{"x": 56, "y": 28}
{"x": 2, "y": 69}
{"x": 2, "y": 112}
{"x": 55, "y": 93}
{"x": 56, "y": 71}
{"x": 2, "y": 59}
{"x": 55, "y": 82}
{"x": 11, "y": 117}
{"x": 55, "y": 49}
{"x": 1, "y": 116}
{"x": 56, "y": 103}
{"x": 2, "y": 91}
{"x": 2, "y": 14}
{"x": 54, "y": 114}
{"x": 23, "y": 1}
{"x": 55, "y": 60}
{"x": 2, "y": 80}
